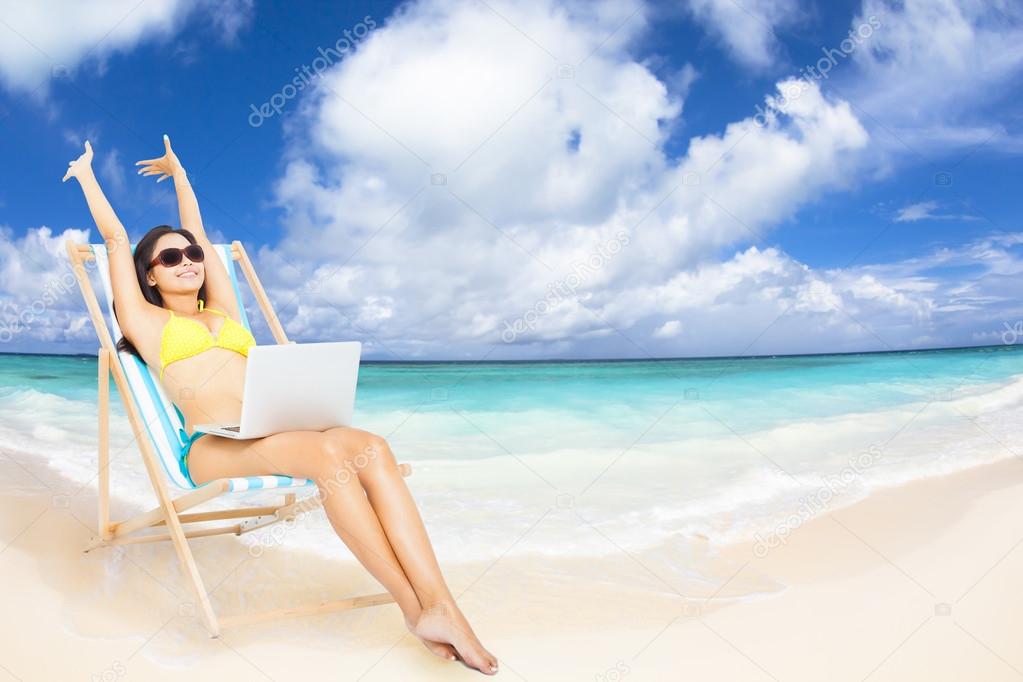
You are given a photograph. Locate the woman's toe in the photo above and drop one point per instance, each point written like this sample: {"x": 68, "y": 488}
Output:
{"x": 443, "y": 650}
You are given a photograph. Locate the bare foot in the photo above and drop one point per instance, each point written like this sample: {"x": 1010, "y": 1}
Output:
{"x": 441, "y": 649}
{"x": 444, "y": 622}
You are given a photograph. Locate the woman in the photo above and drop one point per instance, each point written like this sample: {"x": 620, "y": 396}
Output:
{"x": 176, "y": 307}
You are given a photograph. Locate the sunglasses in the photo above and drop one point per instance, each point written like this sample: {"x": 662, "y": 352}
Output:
{"x": 171, "y": 257}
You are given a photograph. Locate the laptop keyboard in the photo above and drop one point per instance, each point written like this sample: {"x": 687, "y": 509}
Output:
{"x": 232, "y": 428}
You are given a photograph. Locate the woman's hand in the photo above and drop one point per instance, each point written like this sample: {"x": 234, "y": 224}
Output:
{"x": 166, "y": 166}
{"x": 80, "y": 166}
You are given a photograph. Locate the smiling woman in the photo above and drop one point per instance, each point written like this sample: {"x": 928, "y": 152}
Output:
{"x": 144, "y": 266}
{"x": 160, "y": 293}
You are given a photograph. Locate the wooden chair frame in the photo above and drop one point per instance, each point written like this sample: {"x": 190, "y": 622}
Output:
{"x": 169, "y": 511}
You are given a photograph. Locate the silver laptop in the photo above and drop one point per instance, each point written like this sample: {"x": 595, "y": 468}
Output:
{"x": 295, "y": 387}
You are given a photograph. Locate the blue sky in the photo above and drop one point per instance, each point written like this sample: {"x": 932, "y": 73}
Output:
{"x": 876, "y": 208}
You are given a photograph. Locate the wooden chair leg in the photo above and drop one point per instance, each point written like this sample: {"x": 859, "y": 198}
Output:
{"x": 192, "y": 572}
{"x": 104, "y": 444}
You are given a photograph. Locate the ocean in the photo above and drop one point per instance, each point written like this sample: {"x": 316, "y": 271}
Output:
{"x": 594, "y": 457}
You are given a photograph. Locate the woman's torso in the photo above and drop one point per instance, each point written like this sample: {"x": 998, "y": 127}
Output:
{"x": 206, "y": 387}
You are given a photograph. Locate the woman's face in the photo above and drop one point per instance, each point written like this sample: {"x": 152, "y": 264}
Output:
{"x": 184, "y": 277}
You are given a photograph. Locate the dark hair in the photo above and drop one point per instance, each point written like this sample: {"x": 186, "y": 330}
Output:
{"x": 142, "y": 257}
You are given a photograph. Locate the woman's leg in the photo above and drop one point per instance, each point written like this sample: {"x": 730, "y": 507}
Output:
{"x": 324, "y": 459}
{"x": 391, "y": 499}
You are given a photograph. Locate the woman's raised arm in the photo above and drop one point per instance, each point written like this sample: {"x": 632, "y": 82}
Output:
{"x": 169, "y": 166}
{"x": 128, "y": 299}
{"x": 219, "y": 290}
{"x": 107, "y": 222}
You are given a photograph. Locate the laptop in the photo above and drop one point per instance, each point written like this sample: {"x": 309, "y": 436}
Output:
{"x": 295, "y": 387}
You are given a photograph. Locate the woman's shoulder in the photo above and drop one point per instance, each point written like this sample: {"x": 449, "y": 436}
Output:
{"x": 144, "y": 321}
{"x": 146, "y": 334}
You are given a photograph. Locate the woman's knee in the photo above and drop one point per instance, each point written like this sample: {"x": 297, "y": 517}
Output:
{"x": 357, "y": 451}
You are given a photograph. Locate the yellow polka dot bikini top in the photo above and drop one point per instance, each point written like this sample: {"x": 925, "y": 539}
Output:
{"x": 183, "y": 337}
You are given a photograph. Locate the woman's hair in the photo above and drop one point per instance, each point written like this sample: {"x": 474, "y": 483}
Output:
{"x": 142, "y": 257}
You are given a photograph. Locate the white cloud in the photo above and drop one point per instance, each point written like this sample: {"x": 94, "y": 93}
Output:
{"x": 668, "y": 330}
{"x": 40, "y": 301}
{"x": 931, "y": 67}
{"x": 111, "y": 170}
{"x": 682, "y": 80}
{"x": 441, "y": 190}
{"x": 747, "y": 28}
{"x": 801, "y": 309}
{"x": 435, "y": 262}
{"x": 228, "y": 17}
{"x": 47, "y": 38}
{"x": 926, "y": 210}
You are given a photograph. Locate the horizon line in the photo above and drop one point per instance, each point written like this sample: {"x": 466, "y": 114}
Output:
{"x": 766, "y": 356}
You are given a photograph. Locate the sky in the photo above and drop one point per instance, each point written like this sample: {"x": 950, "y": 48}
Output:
{"x": 548, "y": 179}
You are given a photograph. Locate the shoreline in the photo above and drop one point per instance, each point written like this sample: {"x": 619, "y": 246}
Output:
{"x": 959, "y": 490}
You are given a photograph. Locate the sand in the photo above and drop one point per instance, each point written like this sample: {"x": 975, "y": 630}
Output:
{"x": 920, "y": 582}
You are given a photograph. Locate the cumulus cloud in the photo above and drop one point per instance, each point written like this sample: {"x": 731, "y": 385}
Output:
{"x": 40, "y": 302}
{"x": 803, "y": 309}
{"x": 491, "y": 181}
{"x": 399, "y": 198}
{"x": 52, "y": 38}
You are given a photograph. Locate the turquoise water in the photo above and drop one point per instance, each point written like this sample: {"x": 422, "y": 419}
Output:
{"x": 762, "y": 392}
{"x": 648, "y": 449}
{"x": 765, "y": 390}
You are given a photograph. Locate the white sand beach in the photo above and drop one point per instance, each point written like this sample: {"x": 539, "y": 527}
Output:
{"x": 919, "y": 582}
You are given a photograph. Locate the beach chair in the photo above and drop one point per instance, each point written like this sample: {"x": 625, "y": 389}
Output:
{"x": 159, "y": 433}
